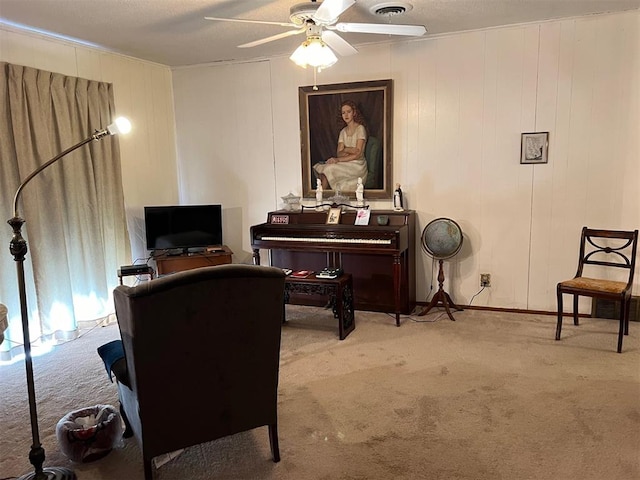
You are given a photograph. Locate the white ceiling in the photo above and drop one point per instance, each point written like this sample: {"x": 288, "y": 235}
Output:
{"x": 175, "y": 33}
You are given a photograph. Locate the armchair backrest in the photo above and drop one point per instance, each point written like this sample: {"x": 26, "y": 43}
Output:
{"x": 213, "y": 329}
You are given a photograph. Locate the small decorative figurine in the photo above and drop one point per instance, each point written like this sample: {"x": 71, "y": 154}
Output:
{"x": 360, "y": 193}
{"x": 318, "y": 195}
{"x": 397, "y": 198}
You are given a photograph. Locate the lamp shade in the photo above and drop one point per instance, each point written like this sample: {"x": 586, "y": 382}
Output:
{"x": 314, "y": 52}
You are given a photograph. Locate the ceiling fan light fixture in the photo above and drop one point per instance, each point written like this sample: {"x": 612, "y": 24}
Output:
{"x": 314, "y": 52}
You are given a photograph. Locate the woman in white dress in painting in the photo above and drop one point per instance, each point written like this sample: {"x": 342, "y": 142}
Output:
{"x": 342, "y": 171}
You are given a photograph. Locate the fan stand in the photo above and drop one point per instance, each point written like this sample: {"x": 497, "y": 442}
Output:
{"x": 441, "y": 298}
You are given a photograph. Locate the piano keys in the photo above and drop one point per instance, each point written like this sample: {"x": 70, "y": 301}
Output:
{"x": 381, "y": 258}
{"x": 376, "y": 241}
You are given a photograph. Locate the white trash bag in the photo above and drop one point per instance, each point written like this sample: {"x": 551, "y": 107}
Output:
{"x": 90, "y": 433}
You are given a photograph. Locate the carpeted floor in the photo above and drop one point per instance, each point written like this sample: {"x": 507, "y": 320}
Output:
{"x": 490, "y": 396}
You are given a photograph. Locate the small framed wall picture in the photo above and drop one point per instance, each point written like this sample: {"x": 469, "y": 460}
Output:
{"x": 534, "y": 147}
{"x": 333, "y": 217}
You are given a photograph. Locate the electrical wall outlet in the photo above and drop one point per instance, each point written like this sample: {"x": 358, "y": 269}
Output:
{"x": 485, "y": 279}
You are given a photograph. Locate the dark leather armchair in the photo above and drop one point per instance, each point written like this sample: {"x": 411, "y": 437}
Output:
{"x": 205, "y": 340}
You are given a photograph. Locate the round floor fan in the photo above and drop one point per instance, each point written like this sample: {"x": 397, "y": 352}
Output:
{"x": 441, "y": 239}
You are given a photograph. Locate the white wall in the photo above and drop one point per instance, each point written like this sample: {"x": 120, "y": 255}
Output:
{"x": 143, "y": 93}
{"x": 460, "y": 104}
{"x": 227, "y": 156}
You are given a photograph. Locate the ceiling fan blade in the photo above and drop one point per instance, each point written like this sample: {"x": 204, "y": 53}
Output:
{"x": 288, "y": 33}
{"x": 261, "y": 22}
{"x": 330, "y": 10}
{"x": 338, "y": 43}
{"x": 387, "y": 29}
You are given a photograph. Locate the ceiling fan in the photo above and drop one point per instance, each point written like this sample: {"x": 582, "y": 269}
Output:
{"x": 319, "y": 21}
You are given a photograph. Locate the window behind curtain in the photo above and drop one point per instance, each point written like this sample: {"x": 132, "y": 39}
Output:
{"x": 74, "y": 210}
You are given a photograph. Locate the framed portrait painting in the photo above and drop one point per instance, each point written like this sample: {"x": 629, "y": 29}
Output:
{"x": 534, "y": 147}
{"x": 346, "y": 134}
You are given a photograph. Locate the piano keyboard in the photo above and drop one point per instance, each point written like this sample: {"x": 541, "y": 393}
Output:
{"x": 376, "y": 241}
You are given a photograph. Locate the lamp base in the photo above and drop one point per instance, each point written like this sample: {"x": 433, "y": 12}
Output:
{"x": 51, "y": 473}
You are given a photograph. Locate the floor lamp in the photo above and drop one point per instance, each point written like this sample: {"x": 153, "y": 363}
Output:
{"x": 18, "y": 249}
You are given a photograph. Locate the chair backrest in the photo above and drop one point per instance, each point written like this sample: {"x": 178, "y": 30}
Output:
{"x": 211, "y": 329}
{"x": 608, "y": 248}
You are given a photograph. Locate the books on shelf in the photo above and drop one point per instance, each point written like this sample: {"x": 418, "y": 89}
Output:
{"x": 329, "y": 272}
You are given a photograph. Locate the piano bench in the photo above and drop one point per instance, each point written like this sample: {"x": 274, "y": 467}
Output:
{"x": 340, "y": 292}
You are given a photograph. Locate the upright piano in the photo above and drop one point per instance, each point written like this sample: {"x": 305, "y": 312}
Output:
{"x": 380, "y": 255}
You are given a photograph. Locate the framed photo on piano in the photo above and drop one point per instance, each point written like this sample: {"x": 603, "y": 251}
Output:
{"x": 333, "y": 217}
{"x": 324, "y": 113}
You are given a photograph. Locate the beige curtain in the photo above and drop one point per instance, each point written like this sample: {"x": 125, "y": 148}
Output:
{"x": 74, "y": 210}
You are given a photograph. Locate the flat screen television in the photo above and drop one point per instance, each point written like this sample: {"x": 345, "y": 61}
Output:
{"x": 183, "y": 228}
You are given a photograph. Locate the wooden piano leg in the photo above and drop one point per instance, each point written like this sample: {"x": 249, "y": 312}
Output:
{"x": 397, "y": 276}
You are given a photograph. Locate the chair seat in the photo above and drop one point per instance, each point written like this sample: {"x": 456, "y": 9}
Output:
{"x": 595, "y": 285}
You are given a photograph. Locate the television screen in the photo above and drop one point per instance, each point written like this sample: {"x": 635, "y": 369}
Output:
{"x": 183, "y": 226}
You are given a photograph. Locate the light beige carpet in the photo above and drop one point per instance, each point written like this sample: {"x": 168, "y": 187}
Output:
{"x": 490, "y": 396}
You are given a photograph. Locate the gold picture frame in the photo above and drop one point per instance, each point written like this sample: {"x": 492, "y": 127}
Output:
{"x": 333, "y": 216}
{"x": 321, "y": 123}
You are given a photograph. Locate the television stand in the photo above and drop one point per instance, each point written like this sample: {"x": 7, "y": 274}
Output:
{"x": 171, "y": 263}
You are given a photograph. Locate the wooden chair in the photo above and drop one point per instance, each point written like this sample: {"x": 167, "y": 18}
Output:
{"x": 605, "y": 248}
